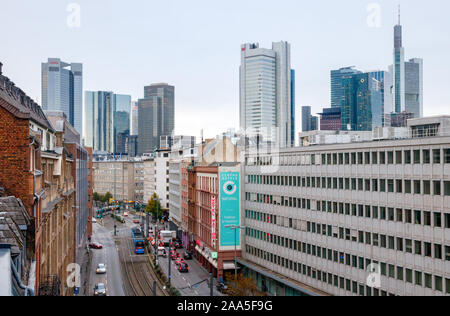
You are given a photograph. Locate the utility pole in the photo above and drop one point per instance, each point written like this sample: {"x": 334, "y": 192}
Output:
{"x": 211, "y": 285}
{"x": 169, "y": 275}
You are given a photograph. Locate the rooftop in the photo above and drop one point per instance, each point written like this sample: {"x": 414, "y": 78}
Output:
{"x": 15, "y": 101}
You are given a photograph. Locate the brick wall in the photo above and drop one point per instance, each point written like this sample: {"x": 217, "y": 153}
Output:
{"x": 15, "y": 175}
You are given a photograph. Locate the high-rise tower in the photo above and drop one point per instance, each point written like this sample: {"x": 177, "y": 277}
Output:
{"x": 267, "y": 93}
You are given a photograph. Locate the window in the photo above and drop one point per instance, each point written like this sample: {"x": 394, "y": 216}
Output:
{"x": 407, "y": 156}
{"x": 426, "y": 187}
{"x": 438, "y": 283}
{"x": 418, "y": 275}
{"x": 427, "y": 218}
{"x": 417, "y": 217}
{"x": 390, "y": 157}
{"x": 447, "y": 188}
{"x": 447, "y": 155}
{"x": 417, "y": 156}
{"x": 428, "y": 281}
{"x": 437, "y": 219}
{"x": 437, "y": 187}
{"x": 437, "y": 156}
{"x": 398, "y": 157}
{"x": 426, "y": 156}
{"x": 417, "y": 188}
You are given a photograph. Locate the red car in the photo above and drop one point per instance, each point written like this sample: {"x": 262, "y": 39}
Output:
{"x": 183, "y": 268}
{"x": 95, "y": 246}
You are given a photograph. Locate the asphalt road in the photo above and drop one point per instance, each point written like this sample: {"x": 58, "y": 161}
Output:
{"x": 109, "y": 256}
{"x": 189, "y": 284}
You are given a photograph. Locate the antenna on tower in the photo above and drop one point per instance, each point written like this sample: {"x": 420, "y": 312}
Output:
{"x": 399, "y": 8}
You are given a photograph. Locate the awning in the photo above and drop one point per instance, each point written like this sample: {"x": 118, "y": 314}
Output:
{"x": 229, "y": 265}
{"x": 212, "y": 261}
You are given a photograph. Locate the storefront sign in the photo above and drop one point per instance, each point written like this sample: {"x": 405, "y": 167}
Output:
{"x": 213, "y": 221}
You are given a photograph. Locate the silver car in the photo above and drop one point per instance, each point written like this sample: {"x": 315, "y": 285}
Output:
{"x": 100, "y": 289}
{"x": 101, "y": 268}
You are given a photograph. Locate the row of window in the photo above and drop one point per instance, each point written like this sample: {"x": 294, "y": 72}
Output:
{"x": 426, "y": 249}
{"x": 420, "y": 278}
{"x": 406, "y": 216}
{"x": 417, "y": 156}
{"x": 426, "y": 187}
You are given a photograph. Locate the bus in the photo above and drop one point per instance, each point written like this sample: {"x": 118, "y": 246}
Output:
{"x": 138, "y": 240}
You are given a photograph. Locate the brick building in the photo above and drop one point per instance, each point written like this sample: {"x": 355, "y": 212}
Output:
{"x": 24, "y": 133}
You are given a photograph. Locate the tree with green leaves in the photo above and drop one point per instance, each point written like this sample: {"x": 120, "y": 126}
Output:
{"x": 154, "y": 206}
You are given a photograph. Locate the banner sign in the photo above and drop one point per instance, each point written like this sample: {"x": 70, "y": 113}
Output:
{"x": 213, "y": 221}
{"x": 229, "y": 208}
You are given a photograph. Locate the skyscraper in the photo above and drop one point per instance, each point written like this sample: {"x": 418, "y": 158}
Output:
{"x": 362, "y": 105}
{"x": 267, "y": 93}
{"x": 134, "y": 118}
{"x": 62, "y": 90}
{"x": 99, "y": 120}
{"x": 309, "y": 122}
{"x": 408, "y": 78}
{"x": 122, "y": 106}
{"x": 156, "y": 116}
{"x": 336, "y": 83}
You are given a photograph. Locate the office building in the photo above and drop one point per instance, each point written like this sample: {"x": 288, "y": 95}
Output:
{"x": 156, "y": 116}
{"x": 267, "y": 105}
{"x": 107, "y": 121}
{"x": 408, "y": 78}
{"x": 362, "y": 104}
{"x": 122, "y": 107}
{"x": 62, "y": 90}
{"x": 330, "y": 211}
{"x": 330, "y": 119}
{"x": 116, "y": 177}
{"x": 336, "y": 77}
{"x": 134, "y": 118}
{"x": 309, "y": 122}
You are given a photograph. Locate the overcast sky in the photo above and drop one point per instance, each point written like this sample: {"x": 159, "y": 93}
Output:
{"x": 195, "y": 45}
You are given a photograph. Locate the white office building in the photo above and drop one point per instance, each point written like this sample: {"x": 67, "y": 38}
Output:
{"x": 321, "y": 218}
{"x": 267, "y": 93}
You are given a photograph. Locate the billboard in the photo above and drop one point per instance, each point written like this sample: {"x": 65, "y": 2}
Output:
{"x": 229, "y": 208}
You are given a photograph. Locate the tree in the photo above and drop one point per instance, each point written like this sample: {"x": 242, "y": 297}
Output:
{"x": 96, "y": 196}
{"x": 154, "y": 206}
{"x": 242, "y": 286}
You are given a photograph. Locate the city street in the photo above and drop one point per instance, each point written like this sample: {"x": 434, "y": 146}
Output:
{"x": 109, "y": 256}
{"x": 194, "y": 283}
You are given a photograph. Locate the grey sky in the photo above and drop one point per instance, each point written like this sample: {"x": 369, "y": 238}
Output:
{"x": 195, "y": 45}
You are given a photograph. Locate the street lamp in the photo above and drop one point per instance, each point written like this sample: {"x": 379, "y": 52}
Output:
{"x": 235, "y": 228}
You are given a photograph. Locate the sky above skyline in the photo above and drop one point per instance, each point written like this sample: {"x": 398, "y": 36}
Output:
{"x": 195, "y": 46}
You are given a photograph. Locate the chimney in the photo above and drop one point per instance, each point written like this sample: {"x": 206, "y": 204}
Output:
{"x": 1, "y": 65}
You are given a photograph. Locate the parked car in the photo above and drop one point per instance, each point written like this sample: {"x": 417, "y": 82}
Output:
{"x": 177, "y": 245}
{"x": 174, "y": 256}
{"x": 187, "y": 255}
{"x": 100, "y": 289}
{"x": 95, "y": 245}
{"x": 101, "y": 268}
{"x": 183, "y": 268}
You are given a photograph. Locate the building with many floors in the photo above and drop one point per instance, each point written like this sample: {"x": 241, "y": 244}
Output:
{"x": 321, "y": 218}
{"x": 116, "y": 177}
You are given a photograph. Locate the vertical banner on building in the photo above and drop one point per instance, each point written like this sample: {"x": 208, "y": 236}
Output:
{"x": 229, "y": 208}
{"x": 213, "y": 221}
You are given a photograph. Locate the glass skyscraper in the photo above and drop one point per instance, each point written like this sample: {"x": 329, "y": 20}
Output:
{"x": 99, "y": 120}
{"x": 122, "y": 107}
{"x": 336, "y": 83}
{"x": 362, "y": 105}
{"x": 267, "y": 92}
{"x": 62, "y": 90}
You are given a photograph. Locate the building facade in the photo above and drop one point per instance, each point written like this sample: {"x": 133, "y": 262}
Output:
{"x": 328, "y": 212}
{"x": 62, "y": 90}
{"x": 116, "y": 177}
{"x": 156, "y": 116}
{"x": 267, "y": 92}
{"x": 330, "y": 119}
